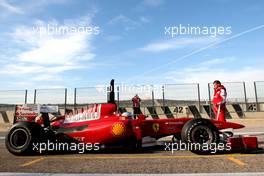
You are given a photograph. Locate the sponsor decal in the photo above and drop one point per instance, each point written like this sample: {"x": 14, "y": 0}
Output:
{"x": 118, "y": 129}
{"x": 48, "y": 109}
{"x": 90, "y": 112}
{"x": 26, "y": 112}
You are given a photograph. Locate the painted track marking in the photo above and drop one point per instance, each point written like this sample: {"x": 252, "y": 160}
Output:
{"x": 33, "y": 162}
{"x": 236, "y": 161}
{"x": 152, "y": 157}
{"x": 144, "y": 156}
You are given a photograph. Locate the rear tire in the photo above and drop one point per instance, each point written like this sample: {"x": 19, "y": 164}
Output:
{"x": 22, "y": 135}
{"x": 201, "y": 135}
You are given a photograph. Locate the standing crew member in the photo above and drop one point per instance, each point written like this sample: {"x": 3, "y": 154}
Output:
{"x": 136, "y": 104}
{"x": 219, "y": 101}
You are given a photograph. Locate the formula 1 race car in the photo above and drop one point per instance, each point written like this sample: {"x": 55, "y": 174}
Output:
{"x": 102, "y": 125}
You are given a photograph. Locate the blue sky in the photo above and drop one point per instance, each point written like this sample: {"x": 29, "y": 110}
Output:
{"x": 131, "y": 46}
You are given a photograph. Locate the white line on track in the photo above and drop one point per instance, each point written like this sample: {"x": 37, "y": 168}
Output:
{"x": 2, "y": 137}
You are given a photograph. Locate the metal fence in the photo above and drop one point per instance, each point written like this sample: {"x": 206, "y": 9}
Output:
{"x": 151, "y": 95}
{"x": 126, "y": 92}
{"x": 89, "y": 95}
{"x": 182, "y": 92}
{"x": 259, "y": 90}
{"x": 50, "y": 96}
{"x": 236, "y": 92}
{"x": 13, "y": 96}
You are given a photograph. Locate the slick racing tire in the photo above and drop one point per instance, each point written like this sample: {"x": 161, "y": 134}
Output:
{"x": 201, "y": 136}
{"x": 21, "y": 136}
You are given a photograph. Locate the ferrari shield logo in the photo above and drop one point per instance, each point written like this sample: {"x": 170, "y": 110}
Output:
{"x": 155, "y": 127}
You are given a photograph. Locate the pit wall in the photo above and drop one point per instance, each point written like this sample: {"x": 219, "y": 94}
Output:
{"x": 234, "y": 111}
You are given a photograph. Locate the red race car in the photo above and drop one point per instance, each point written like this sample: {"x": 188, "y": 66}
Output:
{"x": 101, "y": 125}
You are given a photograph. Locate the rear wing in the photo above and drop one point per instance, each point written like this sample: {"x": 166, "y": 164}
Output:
{"x": 29, "y": 112}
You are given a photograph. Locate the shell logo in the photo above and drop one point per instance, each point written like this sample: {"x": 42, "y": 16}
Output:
{"x": 118, "y": 129}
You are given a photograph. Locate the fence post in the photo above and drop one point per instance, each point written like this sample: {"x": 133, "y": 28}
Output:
{"x": 163, "y": 97}
{"x": 117, "y": 88}
{"x": 199, "y": 98}
{"x": 74, "y": 97}
{"x": 245, "y": 94}
{"x": 256, "y": 96}
{"x": 26, "y": 95}
{"x": 35, "y": 95}
{"x": 65, "y": 101}
{"x": 210, "y": 106}
{"x": 153, "y": 103}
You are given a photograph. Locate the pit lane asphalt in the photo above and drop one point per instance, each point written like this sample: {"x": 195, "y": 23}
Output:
{"x": 152, "y": 160}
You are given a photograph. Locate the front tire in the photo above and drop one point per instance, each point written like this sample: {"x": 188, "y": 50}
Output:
{"x": 201, "y": 135}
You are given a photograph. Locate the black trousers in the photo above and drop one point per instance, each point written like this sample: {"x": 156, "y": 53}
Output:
{"x": 136, "y": 110}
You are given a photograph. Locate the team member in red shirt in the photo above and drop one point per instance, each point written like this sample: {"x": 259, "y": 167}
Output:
{"x": 136, "y": 104}
{"x": 219, "y": 101}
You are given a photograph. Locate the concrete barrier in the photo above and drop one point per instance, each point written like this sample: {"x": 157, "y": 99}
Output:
{"x": 6, "y": 120}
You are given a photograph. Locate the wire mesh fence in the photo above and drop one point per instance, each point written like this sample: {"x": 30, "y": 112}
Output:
{"x": 259, "y": 89}
{"x": 236, "y": 92}
{"x": 125, "y": 93}
{"x": 89, "y": 95}
{"x": 188, "y": 93}
{"x": 151, "y": 95}
{"x": 13, "y": 96}
{"x": 50, "y": 96}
